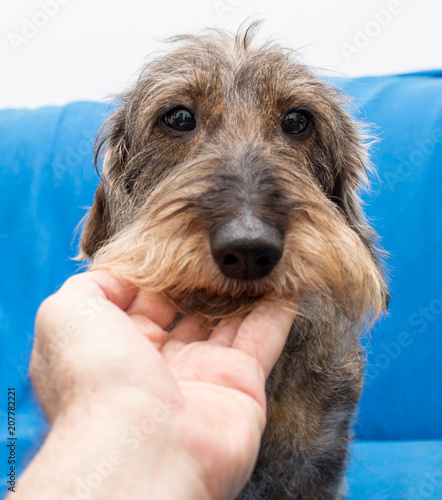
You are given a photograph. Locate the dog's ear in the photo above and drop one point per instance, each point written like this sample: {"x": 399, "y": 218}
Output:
{"x": 97, "y": 229}
{"x": 112, "y": 145}
{"x": 349, "y": 179}
{"x": 351, "y": 175}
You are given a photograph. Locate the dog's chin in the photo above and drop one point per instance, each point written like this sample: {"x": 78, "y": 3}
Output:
{"x": 214, "y": 306}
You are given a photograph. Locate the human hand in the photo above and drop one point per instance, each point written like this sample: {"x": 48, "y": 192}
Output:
{"x": 204, "y": 390}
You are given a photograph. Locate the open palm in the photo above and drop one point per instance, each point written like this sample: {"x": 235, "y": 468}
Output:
{"x": 209, "y": 382}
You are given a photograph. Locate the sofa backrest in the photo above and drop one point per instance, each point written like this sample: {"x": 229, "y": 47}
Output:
{"x": 47, "y": 179}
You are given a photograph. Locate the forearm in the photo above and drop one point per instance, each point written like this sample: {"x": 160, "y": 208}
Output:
{"x": 93, "y": 453}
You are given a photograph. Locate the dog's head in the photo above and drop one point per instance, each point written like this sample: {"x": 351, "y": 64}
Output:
{"x": 230, "y": 174}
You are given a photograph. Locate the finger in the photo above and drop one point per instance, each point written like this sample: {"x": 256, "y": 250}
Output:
{"x": 171, "y": 348}
{"x": 225, "y": 332}
{"x": 189, "y": 329}
{"x": 92, "y": 304}
{"x": 99, "y": 324}
{"x": 101, "y": 284}
{"x": 79, "y": 300}
{"x": 218, "y": 367}
{"x": 263, "y": 334}
{"x": 150, "y": 329}
{"x": 126, "y": 296}
{"x": 154, "y": 306}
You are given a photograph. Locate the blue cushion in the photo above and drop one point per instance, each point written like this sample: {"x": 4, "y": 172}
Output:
{"x": 395, "y": 470}
{"x": 405, "y": 351}
{"x": 47, "y": 179}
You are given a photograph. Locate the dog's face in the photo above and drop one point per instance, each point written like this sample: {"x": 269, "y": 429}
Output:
{"x": 229, "y": 176}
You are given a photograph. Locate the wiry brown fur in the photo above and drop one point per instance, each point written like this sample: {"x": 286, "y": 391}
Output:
{"x": 162, "y": 194}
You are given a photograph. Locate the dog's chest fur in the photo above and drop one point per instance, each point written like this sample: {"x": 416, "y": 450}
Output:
{"x": 312, "y": 394}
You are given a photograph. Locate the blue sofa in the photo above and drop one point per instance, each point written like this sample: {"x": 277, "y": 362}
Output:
{"x": 47, "y": 178}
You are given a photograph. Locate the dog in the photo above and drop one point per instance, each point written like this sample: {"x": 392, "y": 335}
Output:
{"x": 230, "y": 175}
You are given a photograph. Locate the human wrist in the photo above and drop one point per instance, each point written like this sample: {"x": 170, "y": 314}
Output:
{"x": 102, "y": 450}
{"x": 138, "y": 440}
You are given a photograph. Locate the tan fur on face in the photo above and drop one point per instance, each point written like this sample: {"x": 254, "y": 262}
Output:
{"x": 168, "y": 251}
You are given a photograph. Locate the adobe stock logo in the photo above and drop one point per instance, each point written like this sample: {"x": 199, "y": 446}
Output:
{"x": 363, "y": 35}
{"x": 224, "y": 7}
{"x": 418, "y": 321}
{"x": 32, "y": 25}
{"x": 408, "y": 167}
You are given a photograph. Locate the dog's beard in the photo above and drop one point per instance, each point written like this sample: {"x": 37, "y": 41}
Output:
{"x": 211, "y": 304}
{"x": 165, "y": 248}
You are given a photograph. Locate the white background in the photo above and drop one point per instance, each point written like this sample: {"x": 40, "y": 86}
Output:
{"x": 90, "y": 49}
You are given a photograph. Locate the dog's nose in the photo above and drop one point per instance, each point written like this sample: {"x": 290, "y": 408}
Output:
{"x": 246, "y": 248}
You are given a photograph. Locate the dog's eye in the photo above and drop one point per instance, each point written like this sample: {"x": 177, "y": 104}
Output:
{"x": 296, "y": 122}
{"x": 180, "y": 119}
